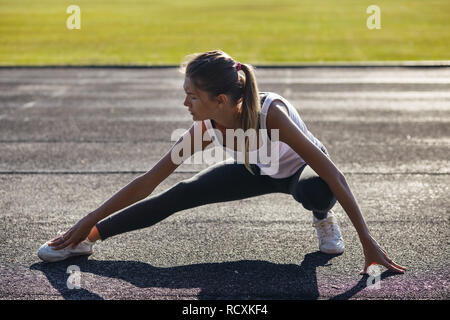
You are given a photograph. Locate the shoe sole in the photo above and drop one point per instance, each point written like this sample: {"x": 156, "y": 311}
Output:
{"x": 61, "y": 259}
{"x": 332, "y": 251}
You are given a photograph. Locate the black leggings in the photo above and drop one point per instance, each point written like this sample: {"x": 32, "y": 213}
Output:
{"x": 224, "y": 181}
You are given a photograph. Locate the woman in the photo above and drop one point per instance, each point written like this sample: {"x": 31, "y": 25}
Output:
{"x": 222, "y": 95}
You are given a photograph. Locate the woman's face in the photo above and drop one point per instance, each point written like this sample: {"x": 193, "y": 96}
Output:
{"x": 198, "y": 102}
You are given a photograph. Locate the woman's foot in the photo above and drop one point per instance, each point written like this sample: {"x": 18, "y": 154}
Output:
{"x": 48, "y": 254}
{"x": 329, "y": 234}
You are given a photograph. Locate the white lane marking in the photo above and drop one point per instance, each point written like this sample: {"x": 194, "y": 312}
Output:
{"x": 59, "y": 92}
{"x": 29, "y": 104}
{"x": 355, "y": 80}
{"x": 395, "y": 95}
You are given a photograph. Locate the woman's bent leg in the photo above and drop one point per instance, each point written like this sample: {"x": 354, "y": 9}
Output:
{"x": 312, "y": 192}
{"x": 224, "y": 181}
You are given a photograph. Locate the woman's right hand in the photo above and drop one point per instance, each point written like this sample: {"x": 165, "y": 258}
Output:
{"x": 75, "y": 235}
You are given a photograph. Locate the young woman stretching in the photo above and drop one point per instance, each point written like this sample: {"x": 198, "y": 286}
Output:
{"x": 222, "y": 94}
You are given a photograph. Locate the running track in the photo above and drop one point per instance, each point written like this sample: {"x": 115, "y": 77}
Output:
{"x": 70, "y": 138}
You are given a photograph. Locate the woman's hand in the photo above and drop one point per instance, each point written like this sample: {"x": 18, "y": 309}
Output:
{"x": 374, "y": 254}
{"x": 75, "y": 235}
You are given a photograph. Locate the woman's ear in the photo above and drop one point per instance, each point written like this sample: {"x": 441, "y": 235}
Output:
{"x": 222, "y": 99}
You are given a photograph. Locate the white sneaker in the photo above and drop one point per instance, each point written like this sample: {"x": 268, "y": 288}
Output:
{"x": 46, "y": 252}
{"x": 330, "y": 238}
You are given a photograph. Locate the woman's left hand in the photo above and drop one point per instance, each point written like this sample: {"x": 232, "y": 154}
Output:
{"x": 374, "y": 254}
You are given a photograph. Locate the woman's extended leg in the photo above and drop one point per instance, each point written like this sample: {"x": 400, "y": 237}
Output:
{"x": 224, "y": 181}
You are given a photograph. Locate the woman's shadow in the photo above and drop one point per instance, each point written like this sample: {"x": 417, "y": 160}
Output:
{"x": 245, "y": 279}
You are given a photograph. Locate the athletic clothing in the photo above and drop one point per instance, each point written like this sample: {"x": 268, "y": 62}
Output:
{"x": 230, "y": 180}
{"x": 288, "y": 161}
{"x": 221, "y": 182}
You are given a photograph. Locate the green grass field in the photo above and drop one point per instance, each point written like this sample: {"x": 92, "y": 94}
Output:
{"x": 148, "y": 32}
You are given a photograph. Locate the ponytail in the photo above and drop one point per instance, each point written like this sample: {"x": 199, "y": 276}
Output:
{"x": 251, "y": 108}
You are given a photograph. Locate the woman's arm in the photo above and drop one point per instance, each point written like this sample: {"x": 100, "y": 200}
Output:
{"x": 143, "y": 186}
{"x": 136, "y": 190}
{"x": 290, "y": 134}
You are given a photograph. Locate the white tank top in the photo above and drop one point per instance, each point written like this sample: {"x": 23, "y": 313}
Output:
{"x": 281, "y": 160}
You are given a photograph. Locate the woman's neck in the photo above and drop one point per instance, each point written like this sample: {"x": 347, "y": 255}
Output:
{"x": 227, "y": 125}
{"x": 230, "y": 120}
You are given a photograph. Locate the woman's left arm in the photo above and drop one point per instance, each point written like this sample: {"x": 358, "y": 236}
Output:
{"x": 290, "y": 134}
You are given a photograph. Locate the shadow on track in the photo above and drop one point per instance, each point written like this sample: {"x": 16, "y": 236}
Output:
{"x": 245, "y": 279}
{"x": 361, "y": 285}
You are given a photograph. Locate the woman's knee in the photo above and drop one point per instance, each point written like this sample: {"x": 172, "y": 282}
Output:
{"x": 314, "y": 194}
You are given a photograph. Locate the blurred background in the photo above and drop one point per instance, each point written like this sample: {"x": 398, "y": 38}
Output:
{"x": 159, "y": 32}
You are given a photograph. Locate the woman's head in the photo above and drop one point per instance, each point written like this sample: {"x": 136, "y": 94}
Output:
{"x": 212, "y": 79}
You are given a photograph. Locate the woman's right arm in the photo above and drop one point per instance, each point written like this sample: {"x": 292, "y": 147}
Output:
{"x": 143, "y": 186}
{"x": 136, "y": 190}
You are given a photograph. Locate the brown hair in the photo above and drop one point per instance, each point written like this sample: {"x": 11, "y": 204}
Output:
{"x": 216, "y": 72}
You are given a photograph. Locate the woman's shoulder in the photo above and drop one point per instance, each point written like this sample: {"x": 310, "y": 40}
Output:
{"x": 270, "y": 99}
{"x": 269, "y": 93}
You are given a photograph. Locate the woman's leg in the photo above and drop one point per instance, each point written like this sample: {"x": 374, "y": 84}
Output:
{"x": 315, "y": 195}
{"x": 312, "y": 192}
{"x": 224, "y": 181}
